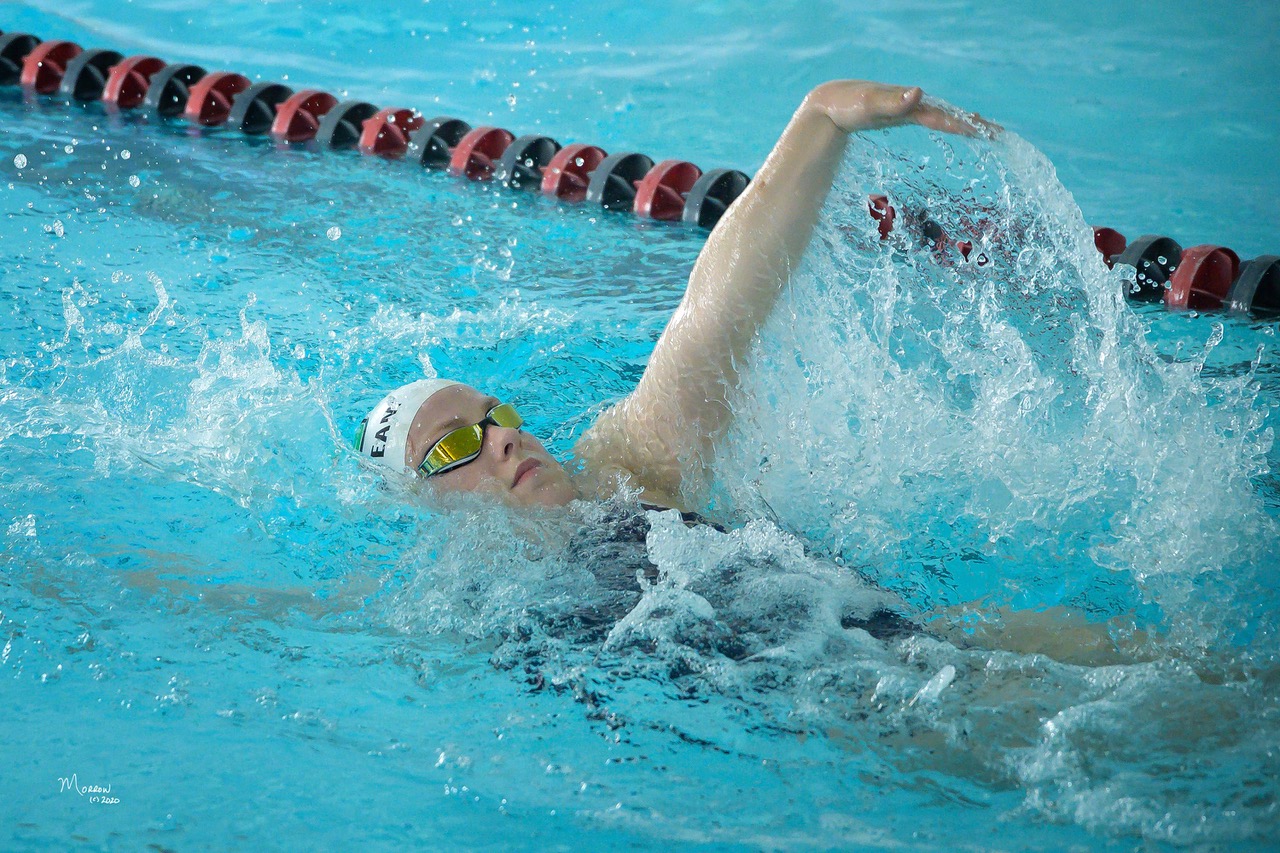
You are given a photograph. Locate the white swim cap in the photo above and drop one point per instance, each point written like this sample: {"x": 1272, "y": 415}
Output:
{"x": 383, "y": 434}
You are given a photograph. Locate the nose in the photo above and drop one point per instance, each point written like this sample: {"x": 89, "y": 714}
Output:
{"x": 502, "y": 441}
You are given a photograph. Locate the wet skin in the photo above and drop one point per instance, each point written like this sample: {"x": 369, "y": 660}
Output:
{"x": 513, "y": 466}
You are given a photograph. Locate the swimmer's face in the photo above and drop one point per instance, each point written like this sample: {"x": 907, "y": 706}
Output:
{"x": 513, "y": 466}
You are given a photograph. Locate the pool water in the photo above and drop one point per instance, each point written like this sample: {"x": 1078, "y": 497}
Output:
{"x": 210, "y": 606}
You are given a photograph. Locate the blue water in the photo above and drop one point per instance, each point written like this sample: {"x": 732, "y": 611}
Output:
{"x": 212, "y": 608}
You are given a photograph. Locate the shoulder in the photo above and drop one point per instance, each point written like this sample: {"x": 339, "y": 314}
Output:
{"x": 619, "y": 450}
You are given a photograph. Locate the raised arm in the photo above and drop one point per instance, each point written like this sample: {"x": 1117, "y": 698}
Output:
{"x": 680, "y": 407}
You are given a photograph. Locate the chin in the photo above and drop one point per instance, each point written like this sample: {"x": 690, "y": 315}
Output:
{"x": 549, "y": 494}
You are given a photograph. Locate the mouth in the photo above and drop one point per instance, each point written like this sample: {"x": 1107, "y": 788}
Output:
{"x": 525, "y": 471}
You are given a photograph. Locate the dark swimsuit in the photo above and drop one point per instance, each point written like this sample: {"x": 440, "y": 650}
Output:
{"x": 619, "y": 555}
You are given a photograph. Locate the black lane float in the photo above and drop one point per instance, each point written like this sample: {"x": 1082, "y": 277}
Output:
{"x": 1204, "y": 277}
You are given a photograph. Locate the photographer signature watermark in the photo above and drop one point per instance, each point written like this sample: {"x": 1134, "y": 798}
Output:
{"x": 96, "y": 793}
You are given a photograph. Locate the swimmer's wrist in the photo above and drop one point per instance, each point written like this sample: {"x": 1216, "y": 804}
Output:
{"x": 815, "y": 108}
{"x": 812, "y": 130}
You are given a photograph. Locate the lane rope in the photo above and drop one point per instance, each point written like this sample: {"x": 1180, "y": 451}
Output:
{"x": 1199, "y": 278}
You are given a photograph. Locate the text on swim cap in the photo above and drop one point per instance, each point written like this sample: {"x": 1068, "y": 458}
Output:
{"x": 379, "y": 447}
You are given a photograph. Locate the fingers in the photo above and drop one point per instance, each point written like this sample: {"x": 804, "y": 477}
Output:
{"x": 963, "y": 124}
{"x": 911, "y": 106}
{"x": 990, "y": 128}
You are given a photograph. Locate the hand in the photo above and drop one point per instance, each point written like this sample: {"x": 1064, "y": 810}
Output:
{"x": 855, "y": 105}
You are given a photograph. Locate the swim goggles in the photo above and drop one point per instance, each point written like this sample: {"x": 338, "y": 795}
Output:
{"x": 464, "y": 444}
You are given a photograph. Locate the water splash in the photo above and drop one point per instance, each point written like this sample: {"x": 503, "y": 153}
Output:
{"x": 995, "y": 426}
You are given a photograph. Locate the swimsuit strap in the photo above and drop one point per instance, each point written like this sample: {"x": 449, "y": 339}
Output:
{"x": 691, "y": 519}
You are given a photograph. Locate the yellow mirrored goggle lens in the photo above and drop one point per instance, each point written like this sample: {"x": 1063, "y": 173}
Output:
{"x": 505, "y": 415}
{"x": 462, "y": 445}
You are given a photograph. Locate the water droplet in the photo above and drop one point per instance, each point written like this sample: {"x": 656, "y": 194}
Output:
{"x": 135, "y": 181}
{"x": 334, "y": 233}
{"x": 70, "y": 149}
{"x": 20, "y": 161}
{"x": 125, "y": 155}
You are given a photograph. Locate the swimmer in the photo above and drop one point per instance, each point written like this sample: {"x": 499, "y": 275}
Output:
{"x": 660, "y": 438}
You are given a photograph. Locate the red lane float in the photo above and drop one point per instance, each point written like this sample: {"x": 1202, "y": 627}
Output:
{"x": 127, "y": 84}
{"x": 569, "y": 172}
{"x": 882, "y": 212}
{"x": 210, "y": 97}
{"x": 1203, "y": 278}
{"x": 1109, "y": 242}
{"x": 386, "y": 132}
{"x": 298, "y": 118}
{"x": 661, "y": 194}
{"x": 476, "y": 153}
{"x": 44, "y": 67}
